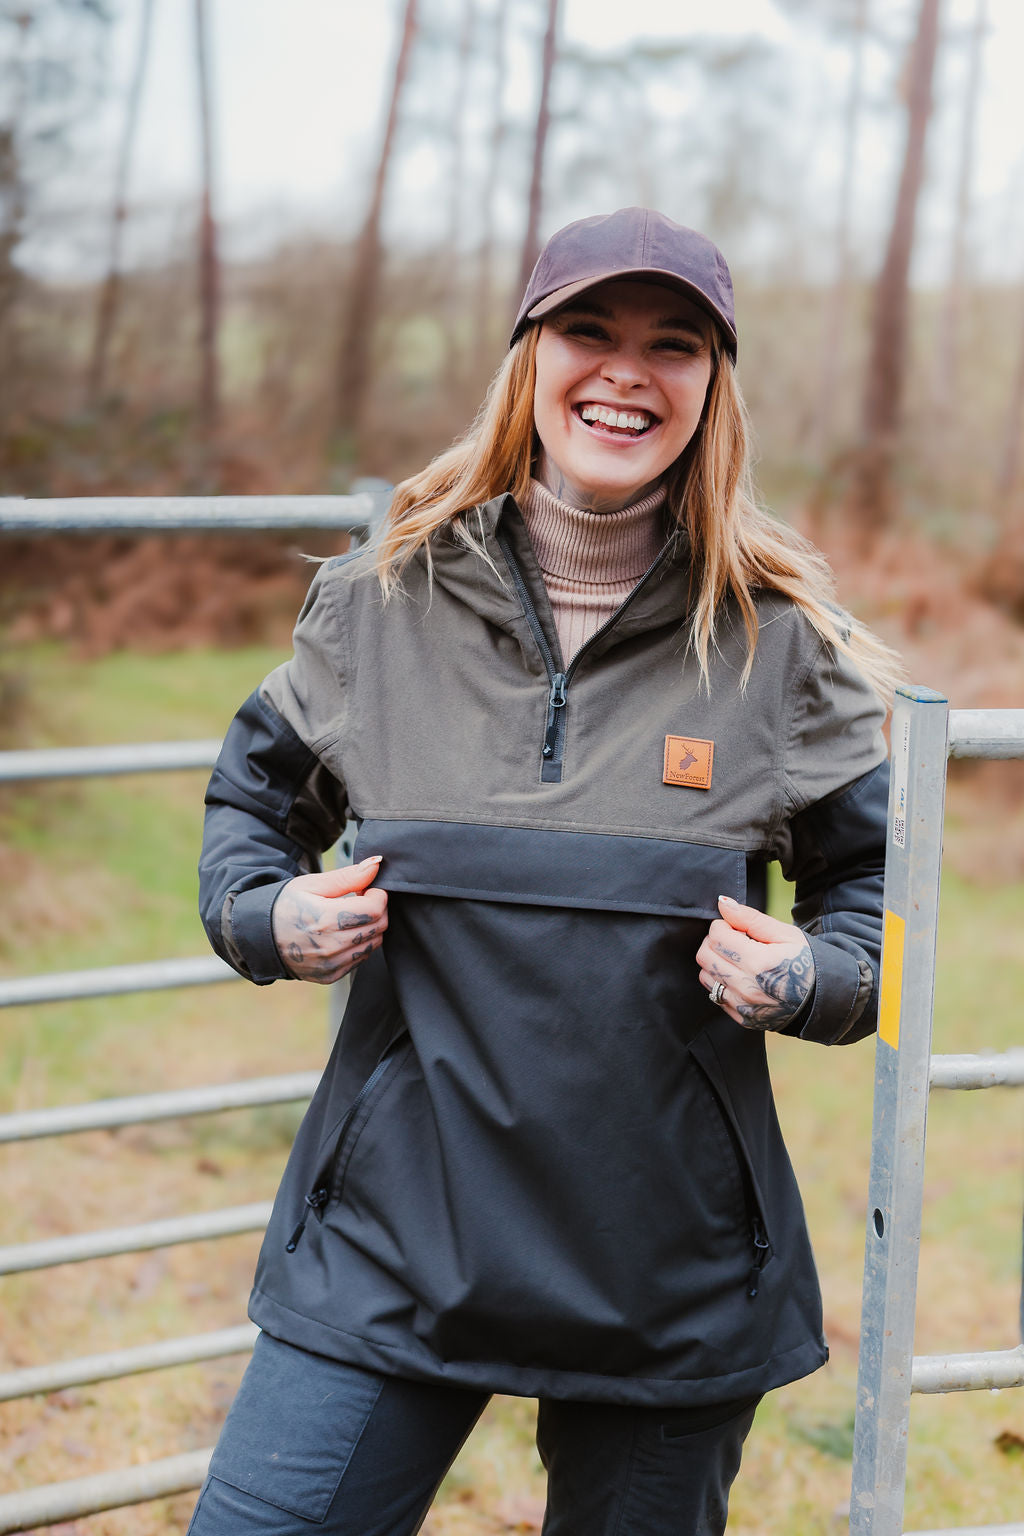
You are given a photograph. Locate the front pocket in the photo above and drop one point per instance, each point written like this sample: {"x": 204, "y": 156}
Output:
{"x": 761, "y": 1251}
{"x": 329, "y": 1183}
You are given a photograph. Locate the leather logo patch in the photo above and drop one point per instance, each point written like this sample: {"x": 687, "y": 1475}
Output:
{"x": 688, "y": 761}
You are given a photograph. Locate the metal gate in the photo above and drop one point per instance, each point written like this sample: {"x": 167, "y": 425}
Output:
{"x": 924, "y": 731}
{"x": 924, "y": 734}
{"x": 42, "y": 1506}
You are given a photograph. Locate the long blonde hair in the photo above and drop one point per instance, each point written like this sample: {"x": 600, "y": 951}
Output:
{"x": 737, "y": 546}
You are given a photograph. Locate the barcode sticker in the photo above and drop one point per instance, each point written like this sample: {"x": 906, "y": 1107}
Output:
{"x": 901, "y": 780}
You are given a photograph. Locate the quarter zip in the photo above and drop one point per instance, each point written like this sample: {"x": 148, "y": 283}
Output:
{"x": 553, "y": 745}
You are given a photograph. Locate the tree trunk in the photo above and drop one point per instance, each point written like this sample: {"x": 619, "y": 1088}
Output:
{"x": 106, "y": 310}
{"x": 453, "y": 297}
{"x": 839, "y": 299}
{"x": 485, "y": 279}
{"x": 209, "y": 264}
{"x": 1009, "y": 470}
{"x": 531, "y": 242}
{"x": 360, "y": 310}
{"x": 871, "y": 493}
{"x": 948, "y": 351}
{"x": 12, "y": 215}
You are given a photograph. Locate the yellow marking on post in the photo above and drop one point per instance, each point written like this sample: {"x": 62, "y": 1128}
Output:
{"x": 892, "y": 979}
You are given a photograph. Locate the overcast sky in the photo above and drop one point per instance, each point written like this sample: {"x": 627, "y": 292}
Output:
{"x": 300, "y": 92}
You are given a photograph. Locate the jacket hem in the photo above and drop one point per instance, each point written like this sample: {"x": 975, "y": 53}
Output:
{"x": 321, "y": 1338}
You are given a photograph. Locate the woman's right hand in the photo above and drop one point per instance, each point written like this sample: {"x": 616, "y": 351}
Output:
{"x": 324, "y": 925}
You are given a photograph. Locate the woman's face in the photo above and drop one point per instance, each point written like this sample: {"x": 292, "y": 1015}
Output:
{"x": 633, "y": 350}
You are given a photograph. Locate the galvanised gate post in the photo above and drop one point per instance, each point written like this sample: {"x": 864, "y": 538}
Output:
{"x": 924, "y": 733}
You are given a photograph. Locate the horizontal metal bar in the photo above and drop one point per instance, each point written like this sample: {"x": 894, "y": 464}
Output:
{"x": 20, "y": 1257}
{"x": 1016, "y": 1529}
{"x": 986, "y": 733}
{"x": 112, "y": 980}
{"x": 115, "y": 1363}
{"x": 56, "y": 1502}
{"x": 89, "y": 762}
{"x": 998, "y": 1069}
{"x": 192, "y": 514}
{"x": 982, "y": 1372}
{"x": 104, "y": 1114}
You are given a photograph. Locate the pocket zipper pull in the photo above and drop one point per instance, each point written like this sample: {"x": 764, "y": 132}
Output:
{"x": 762, "y": 1248}
{"x": 314, "y": 1202}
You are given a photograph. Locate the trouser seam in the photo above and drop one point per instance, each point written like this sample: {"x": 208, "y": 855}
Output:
{"x": 628, "y": 1484}
{"x": 354, "y": 1447}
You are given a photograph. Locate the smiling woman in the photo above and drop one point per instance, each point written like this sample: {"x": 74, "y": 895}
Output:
{"x": 579, "y": 695}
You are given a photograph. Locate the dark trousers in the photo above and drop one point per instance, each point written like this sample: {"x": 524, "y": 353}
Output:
{"x": 314, "y": 1445}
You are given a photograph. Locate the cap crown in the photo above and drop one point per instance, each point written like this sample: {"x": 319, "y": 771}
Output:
{"x": 632, "y": 242}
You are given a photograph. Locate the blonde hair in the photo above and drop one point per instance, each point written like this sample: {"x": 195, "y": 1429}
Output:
{"x": 737, "y": 546}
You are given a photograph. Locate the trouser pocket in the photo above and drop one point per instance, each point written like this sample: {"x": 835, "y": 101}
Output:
{"x": 293, "y": 1427}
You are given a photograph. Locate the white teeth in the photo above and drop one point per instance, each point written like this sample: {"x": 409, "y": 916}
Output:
{"x": 610, "y": 418}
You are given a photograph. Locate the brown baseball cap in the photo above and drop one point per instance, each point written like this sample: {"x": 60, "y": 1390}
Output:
{"x": 631, "y": 243}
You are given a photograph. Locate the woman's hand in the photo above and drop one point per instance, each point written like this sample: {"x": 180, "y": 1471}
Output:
{"x": 325, "y": 924}
{"x": 766, "y": 966}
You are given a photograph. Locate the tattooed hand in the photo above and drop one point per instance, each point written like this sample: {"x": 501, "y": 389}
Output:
{"x": 325, "y": 924}
{"x": 766, "y": 966}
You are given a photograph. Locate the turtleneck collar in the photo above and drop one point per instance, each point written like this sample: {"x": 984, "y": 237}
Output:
{"x": 594, "y": 547}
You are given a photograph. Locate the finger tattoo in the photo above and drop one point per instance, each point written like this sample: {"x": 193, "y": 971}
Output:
{"x": 353, "y": 919}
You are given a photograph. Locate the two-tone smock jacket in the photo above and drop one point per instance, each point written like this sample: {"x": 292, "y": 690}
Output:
{"x": 539, "y": 1160}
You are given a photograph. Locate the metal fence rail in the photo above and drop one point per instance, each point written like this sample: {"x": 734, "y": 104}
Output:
{"x": 115, "y": 1363}
{"x": 32, "y": 1509}
{"x": 141, "y": 1109}
{"x": 51, "y": 1251}
{"x": 358, "y": 513}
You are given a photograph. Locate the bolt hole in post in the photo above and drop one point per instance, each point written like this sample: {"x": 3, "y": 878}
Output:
{"x": 878, "y": 1221}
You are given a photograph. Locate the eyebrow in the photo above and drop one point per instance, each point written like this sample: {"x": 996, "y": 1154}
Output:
{"x": 666, "y": 323}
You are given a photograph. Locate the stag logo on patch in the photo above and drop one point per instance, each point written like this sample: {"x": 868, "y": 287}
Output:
{"x": 688, "y": 762}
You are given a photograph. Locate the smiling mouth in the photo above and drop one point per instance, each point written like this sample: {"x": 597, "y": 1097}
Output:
{"x": 604, "y": 418}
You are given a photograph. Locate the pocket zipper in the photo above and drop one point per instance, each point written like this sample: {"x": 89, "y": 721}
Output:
{"x": 318, "y": 1197}
{"x": 314, "y": 1202}
{"x": 762, "y": 1248}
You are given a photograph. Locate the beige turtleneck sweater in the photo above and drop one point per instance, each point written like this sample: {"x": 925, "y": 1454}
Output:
{"x": 590, "y": 561}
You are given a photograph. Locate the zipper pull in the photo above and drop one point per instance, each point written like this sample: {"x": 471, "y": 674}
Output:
{"x": 556, "y": 701}
{"x": 314, "y": 1202}
{"x": 762, "y": 1248}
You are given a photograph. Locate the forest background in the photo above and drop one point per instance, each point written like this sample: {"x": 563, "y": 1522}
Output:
{"x": 324, "y": 293}
{"x": 249, "y": 247}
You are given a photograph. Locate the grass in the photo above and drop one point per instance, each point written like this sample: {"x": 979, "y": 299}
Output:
{"x": 97, "y": 872}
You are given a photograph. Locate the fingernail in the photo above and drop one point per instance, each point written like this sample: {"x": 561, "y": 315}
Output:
{"x": 374, "y": 858}
{"x": 728, "y": 901}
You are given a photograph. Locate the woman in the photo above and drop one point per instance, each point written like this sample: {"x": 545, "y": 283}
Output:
{"x": 579, "y": 696}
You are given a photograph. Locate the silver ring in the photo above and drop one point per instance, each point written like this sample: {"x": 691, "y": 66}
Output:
{"x": 716, "y": 992}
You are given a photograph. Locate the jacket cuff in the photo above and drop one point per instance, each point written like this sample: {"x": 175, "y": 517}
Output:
{"x": 842, "y": 990}
{"x": 251, "y": 937}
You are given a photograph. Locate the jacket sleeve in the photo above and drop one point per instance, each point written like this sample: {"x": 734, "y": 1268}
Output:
{"x": 837, "y": 860}
{"x": 832, "y": 845}
{"x": 272, "y": 806}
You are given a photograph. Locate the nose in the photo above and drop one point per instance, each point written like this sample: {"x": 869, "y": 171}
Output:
{"x": 625, "y": 367}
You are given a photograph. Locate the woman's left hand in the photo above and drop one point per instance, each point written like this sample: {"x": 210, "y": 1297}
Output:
{"x": 766, "y": 966}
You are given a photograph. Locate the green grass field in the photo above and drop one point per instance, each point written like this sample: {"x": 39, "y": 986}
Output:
{"x": 101, "y": 872}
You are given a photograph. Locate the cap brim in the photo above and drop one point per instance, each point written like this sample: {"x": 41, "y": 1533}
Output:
{"x": 657, "y": 275}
